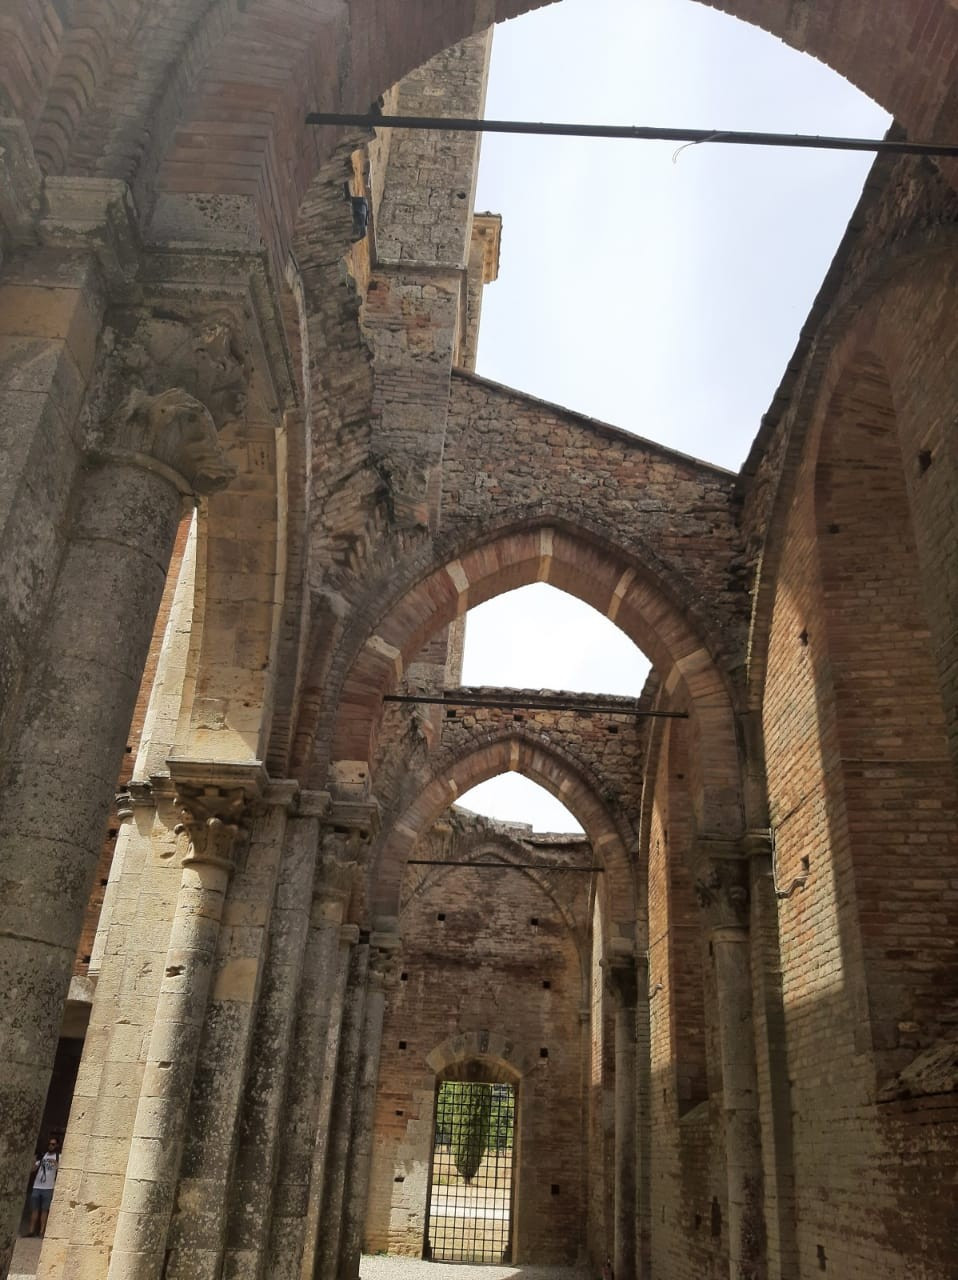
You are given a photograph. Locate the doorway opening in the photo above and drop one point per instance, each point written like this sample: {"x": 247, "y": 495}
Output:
{"x": 469, "y": 1209}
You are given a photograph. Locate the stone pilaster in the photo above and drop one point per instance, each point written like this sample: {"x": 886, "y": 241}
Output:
{"x": 722, "y": 891}
{"x": 621, "y": 979}
{"x": 214, "y": 813}
{"x": 384, "y": 949}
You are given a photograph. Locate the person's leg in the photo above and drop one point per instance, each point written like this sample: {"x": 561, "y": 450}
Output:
{"x": 34, "y": 1213}
{"x": 45, "y": 1198}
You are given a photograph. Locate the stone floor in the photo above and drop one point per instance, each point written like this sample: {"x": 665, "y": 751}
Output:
{"x": 383, "y": 1268}
{"x": 27, "y": 1253}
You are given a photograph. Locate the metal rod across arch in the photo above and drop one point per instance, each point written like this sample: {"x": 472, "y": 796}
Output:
{"x": 635, "y": 133}
{"x": 590, "y": 708}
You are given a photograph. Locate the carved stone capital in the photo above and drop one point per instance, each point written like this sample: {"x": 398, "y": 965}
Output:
{"x": 356, "y": 818}
{"x": 384, "y": 948}
{"x": 621, "y": 980}
{"x": 213, "y": 819}
{"x": 177, "y": 431}
{"x": 170, "y": 383}
{"x": 721, "y": 884}
{"x": 216, "y": 804}
{"x": 124, "y": 803}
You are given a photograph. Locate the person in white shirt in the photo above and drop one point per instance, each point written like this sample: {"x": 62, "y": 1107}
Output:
{"x": 45, "y": 1170}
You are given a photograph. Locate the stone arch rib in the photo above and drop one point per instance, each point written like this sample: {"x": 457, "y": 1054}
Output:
{"x": 613, "y": 583}
{"x": 542, "y": 765}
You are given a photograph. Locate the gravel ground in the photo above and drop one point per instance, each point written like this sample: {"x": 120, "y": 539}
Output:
{"x": 380, "y": 1268}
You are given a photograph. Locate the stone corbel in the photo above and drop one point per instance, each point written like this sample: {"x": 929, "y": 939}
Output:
{"x": 721, "y": 883}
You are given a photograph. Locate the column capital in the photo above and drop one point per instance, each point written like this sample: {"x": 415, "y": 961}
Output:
{"x": 215, "y": 800}
{"x": 171, "y": 382}
{"x": 384, "y": 948}
{"x": 313, "y": 804}
{"x": 357, "y": 819}
{"x": 621, "y": 980}
{"x": 349, "y": 934}
{"x": 757, "y": 843}
{"x": 721, "y": 881}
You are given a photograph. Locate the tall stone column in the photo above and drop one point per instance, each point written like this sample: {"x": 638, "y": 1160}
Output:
{"x": 621, "y": 979}
{"x": 341, "y": 1117}
{"x": 302, "y": 1125}
{"x": 58, "y": 777}
{"x": 722, "y": 889}
{"x": 384, "y": 946}
{"x": 213, "y": 815}
{"x": 260, "y": 943}
{"x": 286, "y": 1067}
{"x": 305, "y": 1250}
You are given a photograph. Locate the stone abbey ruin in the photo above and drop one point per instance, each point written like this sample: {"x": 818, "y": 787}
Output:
{"x": 250, "y": 486}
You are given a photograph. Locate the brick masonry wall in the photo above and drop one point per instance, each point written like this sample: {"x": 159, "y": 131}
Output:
{"x": 868, "y": 805}
{"x": 508, "y": 456}
{"x": 472, "y": 962}
{"x": 688, "y": 1184}
{"x": 608, "y": 747}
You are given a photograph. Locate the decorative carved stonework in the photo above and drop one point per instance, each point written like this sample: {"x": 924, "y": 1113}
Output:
{"x": 722, "y": 889}
{"x": 172, "y": 382}
{"x": 213, "y": 819}
{"x": 384, "y": 947}
{"x": 178, "y": 431}
{"x": 198, "y": 354}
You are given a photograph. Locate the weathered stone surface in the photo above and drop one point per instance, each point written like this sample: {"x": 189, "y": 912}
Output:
{"x": 186, "y": 300}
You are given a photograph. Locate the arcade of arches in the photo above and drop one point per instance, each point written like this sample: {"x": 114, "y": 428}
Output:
{"x": 250, "y": 485}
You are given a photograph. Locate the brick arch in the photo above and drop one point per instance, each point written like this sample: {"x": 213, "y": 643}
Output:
{"x": 888, "y": 747}
{"x": 492, "y": 1051}
{"x": 617, "y": 586}
{"x": 538, "y": 762}
{"x": 900, "y": 312}
{"x": 239, "y": 80}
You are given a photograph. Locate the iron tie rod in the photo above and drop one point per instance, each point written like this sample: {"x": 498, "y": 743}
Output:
{"x": 538, "y": 704}
{"x": 635, "y": 133}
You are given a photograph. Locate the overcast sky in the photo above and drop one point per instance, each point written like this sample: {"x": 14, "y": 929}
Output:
{"x": 660, "y": 293}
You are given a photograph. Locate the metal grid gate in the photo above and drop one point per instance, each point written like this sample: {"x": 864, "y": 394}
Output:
{"x": 469, "y": 1215}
